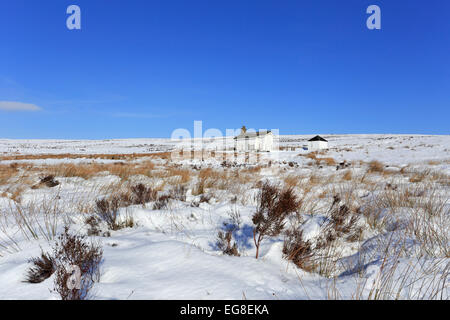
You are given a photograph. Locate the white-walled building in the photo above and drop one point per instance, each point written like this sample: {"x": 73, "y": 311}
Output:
{"x": 254, "y": 141}
{"x": 317, "y": 143}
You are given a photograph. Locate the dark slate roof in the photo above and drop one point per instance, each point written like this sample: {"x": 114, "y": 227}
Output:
{"x": 252, "y": 134}
{"x": 317, "y": 138}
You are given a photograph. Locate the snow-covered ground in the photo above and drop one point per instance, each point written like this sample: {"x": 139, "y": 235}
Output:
{"x": 83, "y": 146}
{"x": 399, "y": 247}
{"x": 398, "y": 149}
{"x": 366, "y": 142}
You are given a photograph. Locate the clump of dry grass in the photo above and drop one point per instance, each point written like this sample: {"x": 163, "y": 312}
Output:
{"x": 347, "y": 176}
{"x": 314, "y": 179}
{"x": 178, "y": 193}
{"x": 7, "y": 172}
{"x": 36, "y": 219}
{"x": 328, "y": 161}
{"x": 208, "y": 173}
{"x": 184, "y": 174}
{"x": 314, "y": 156}
{"x": 375, "y": 167}
{"x": 123, "y": 156}
{"x": 429, "y": 175}
{"x": 199, "y": 188}
{"x": 292, "y": 181}
{"x": 311, "y": 155}
{"x": 415, "y": 178}
{"x": 429, "y": 225}
{"x": 86, "y": 171}
{"x": 221, "y": 179}
{"x": 17, "y": 192}
{"x": 253, "y": 169}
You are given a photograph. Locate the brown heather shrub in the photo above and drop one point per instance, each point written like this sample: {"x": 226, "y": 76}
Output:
{"x": 176, "y": 193}
{"x": 42, "y": 269}
{"x": 223, "y": 242}
{"x": 107, "y": 210}
{"x": 274, "y": 205}
{"x": 93, "y": 226}
{"x": 49, "y": 181}
{"x": 343, "y": 223}
{"x": 68, "y": 252}
{"x": 161, "y": 203}
{"x": 142, "y": 194}
{"x": 343, "y": 219}
{"x": 297, "y": 250}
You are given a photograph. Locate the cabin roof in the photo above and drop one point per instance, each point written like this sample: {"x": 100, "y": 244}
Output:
{"x": 317, "y": 138}
{"x": 252, "y": 134}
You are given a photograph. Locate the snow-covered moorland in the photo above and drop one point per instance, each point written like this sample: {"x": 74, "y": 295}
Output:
{"x": 369, "y": 219}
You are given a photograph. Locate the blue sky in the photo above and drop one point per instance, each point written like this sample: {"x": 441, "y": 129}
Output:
{"x": 145, "y": 68}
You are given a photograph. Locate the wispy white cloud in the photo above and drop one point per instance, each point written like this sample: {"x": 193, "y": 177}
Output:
{"x": 18, "y": 106}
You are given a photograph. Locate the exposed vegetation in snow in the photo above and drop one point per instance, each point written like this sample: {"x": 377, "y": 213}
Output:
{"x": 367, "y": 219}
